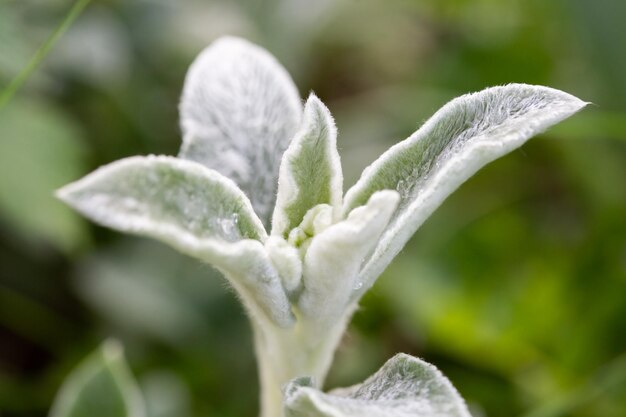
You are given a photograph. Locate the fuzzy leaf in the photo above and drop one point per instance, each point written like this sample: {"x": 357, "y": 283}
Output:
{"x": 239, "y": 110}
{"x": 462, "y": 137}
{"x": 333, "y": 259}
{"x": 249, "y": 269}
{"x": 404, "y": 387}
{"x": 102, "y": 386}
{"x": 170, "y": 199}
{"x": 286, "y": 260}
{"x": 310, "y": 171}
{"x": 192, "y": 208}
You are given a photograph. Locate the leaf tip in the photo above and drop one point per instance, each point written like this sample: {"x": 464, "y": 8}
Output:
{"x": 315, "y": 109}
{"x": 112, "y": 351}
{"x": 66, "y": 193}
{"x": 62, "y": 193}
{"x": 569, "y": 103}
{"x": 314, "y": 99}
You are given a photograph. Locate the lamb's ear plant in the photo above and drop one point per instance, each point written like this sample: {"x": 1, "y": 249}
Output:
{"x": 257, "y": 192}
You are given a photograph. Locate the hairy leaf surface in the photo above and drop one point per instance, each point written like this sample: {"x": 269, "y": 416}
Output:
{"x": 332, "y": 261}
{"x": 177, "y": 201}
{"x": 462, "y": 137}
{"x": 404, "y": 387}
{"x": 310, "y": 171}
{"x": 192, "y": 208}
{"x": 239, "y": 110}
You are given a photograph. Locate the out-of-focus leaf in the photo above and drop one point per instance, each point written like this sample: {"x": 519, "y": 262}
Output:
{"x": 102, "y": 386}
{"x": 404, "y": 387}
{"x": 39, "y": 152}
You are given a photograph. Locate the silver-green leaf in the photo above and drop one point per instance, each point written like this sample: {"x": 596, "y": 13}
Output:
{"x": 334, "y": 256}
{"x": 404, "y": 387}
{"x": 462, "y": 137}
{"x": 239, "y": 110}
{"x": 102, "y": 386}
{"x": 310, "y": 171}
{"x": 180, "y": 202}
{"x": 192, "y": 208}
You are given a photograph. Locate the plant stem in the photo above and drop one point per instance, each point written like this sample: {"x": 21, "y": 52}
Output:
{"x": 307, "y": 349}
{"x": 41, "y": 53}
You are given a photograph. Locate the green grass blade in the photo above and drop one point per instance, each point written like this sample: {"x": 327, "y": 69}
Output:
{"x": 41, "y": 53}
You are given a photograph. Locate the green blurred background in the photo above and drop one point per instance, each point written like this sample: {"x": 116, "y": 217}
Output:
{"x": 515, "y": 288}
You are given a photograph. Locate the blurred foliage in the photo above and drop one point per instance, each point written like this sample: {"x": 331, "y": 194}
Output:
{"x": 101, "y": 386}
{"x": 515, "y": 288}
